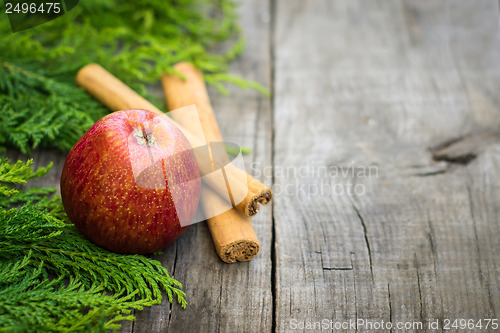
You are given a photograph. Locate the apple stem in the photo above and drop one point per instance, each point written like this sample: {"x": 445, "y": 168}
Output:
{"x": 144, "y": 137}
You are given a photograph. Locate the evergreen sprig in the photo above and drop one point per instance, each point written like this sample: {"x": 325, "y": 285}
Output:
{"x": 18, "y": 173}
{"x": 53, "y": 279}
{"x": 135, "y": 40}
{"x": 37, "y": 110}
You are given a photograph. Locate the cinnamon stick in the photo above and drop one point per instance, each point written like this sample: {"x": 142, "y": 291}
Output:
{"x": 232, "y": 232}
{"x": 117, "y": 96}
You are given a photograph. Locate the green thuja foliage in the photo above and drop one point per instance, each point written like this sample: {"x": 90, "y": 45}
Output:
{"x": 53, "y": 279}
{"x": 135, "y": 40}
{"x": 37, "y": 110}
{"x": 18, "y": 173}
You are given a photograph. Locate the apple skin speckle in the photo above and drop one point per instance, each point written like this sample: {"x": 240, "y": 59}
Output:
{"x": 115, "y": 183}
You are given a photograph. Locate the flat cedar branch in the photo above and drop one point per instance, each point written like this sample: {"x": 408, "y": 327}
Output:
{"x": 53, "y": 279}
{"x": 40, "y": 104}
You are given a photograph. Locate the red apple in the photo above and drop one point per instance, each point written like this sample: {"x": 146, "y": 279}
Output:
{"x": 131, "y": 183}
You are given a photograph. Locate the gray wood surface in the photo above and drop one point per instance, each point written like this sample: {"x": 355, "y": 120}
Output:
{"x": 408, "y": 87}
{"x": 382, "y": 144}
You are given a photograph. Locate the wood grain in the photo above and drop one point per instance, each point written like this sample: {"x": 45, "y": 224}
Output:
{"x": 377, "y": 84}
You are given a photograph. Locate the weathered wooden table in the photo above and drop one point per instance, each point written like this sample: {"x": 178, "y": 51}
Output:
{"x": 381, "y": 143}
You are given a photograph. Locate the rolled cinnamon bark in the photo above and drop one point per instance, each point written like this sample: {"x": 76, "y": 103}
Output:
{"x": 232, "y": 232}
{"x": 117, "y": 96}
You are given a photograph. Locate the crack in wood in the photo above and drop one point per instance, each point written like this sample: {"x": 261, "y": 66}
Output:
{"x": 430, "y": 236}
{"x": 173, "y": 276}
{"x": 355, "y": 300}
{"x": 337, "y": 268}
{"x": 390, "y": 303}
{"x": 474, "y": 227}
{"x": 431, "y": 173}
{"x": 421, "y": 310}
{"x": 274, "y": 288}
{"x": 464, "y": 149}
{"x": 458, "y": 159}
{"x": 365, "y": 233}
{"x": 220, "y": 301}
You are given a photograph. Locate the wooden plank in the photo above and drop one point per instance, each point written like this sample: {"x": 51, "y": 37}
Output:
{"x": 221, "y": 297}
{"x": 370, "y": 86}
{"x": 156, "y": 318}
{"x": 231, "y": 297}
